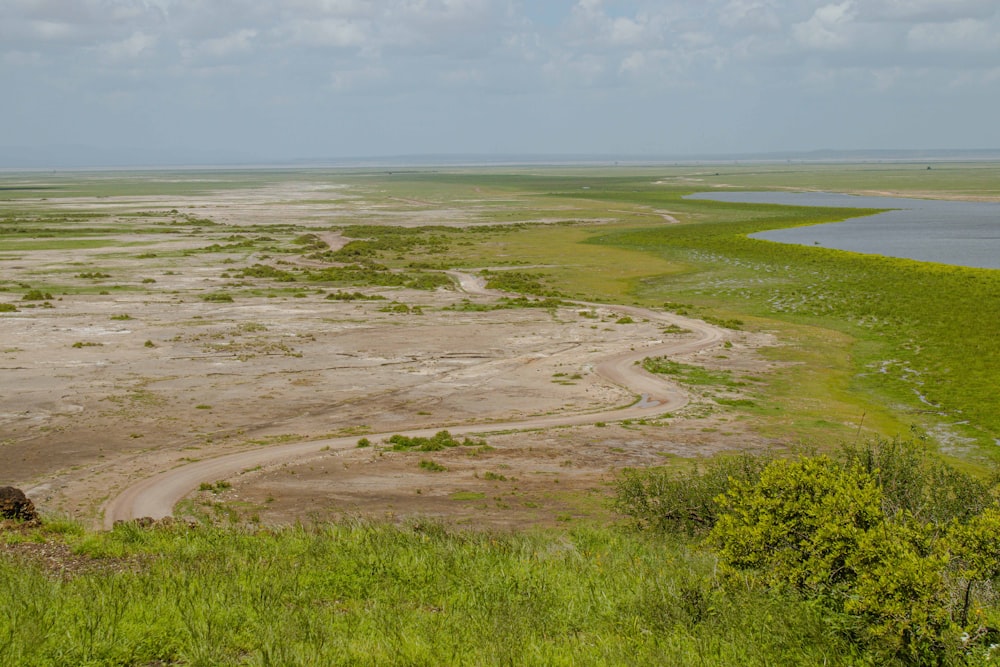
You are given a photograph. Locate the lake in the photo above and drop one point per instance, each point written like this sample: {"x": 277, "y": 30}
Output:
{"x": 947, "y": 232}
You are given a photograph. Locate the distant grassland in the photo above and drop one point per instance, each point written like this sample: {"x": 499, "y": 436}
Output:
{"x": 921, "y": 344}
{"x": 927, "y": 333}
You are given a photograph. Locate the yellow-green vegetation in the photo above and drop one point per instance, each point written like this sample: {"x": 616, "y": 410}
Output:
{"x": 898, "y": 549}
{"x": 882, "y": 555}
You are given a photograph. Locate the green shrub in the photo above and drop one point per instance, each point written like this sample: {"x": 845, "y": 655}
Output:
{"x": 687, "y": 373}
{"x": 683, "y": 502}
{"x": 902, "y": 547}
{"x": 269, "y": 272}
{"x": 915, "y": 481}
{"x": 798, "y": 524}
{"x": 36, "y": 295}
{"x": 8, "y": 308}
{"x": 437, "y": 442}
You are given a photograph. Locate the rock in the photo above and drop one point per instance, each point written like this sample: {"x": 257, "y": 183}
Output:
{"x": 16, "y": 506}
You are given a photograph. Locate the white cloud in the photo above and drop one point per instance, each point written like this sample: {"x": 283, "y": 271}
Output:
{"x": 928, "y": 11}
{"x": 957, "y": 36}
{"x": 328, "y": 32}
{"x": 462, "y": 77}
{"x": 240, "y": 41}
{"x": 51, "y": 30}
{"x": 828, "y": 28}
{"x": 136, "y": 45}
{"x": 348, "y": 53}
{"x": 754, "y": 16}
{"x": 21, "y": 59}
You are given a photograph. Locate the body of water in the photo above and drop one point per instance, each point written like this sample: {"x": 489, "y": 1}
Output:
{"x": 947, "y": 232}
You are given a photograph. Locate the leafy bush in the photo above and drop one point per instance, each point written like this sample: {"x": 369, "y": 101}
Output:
{"x": 264, "y": 271}
{"x": 353, "y": 296}
{"x": 897, "y": 542}
{"x": 687, "y": 373}
{"x": 519, "y": 282}
{"x": 915, "y": 482}
{"x": 799, "y": 524}
{"x": 901, "y": 549}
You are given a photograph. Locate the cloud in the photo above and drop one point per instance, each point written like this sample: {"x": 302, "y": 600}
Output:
{"x": 234, "y": 43}
{"x": 334, "y": 32}
{"x": 928, "y": 11}
{"x": 331, "y": 56}
{"x": 830, "y": 27}
{"x": 136, "y": 45}
{"x": 750, "y": 16}
{"x": 956, "y": 36}
{"x": 348, "y": 80}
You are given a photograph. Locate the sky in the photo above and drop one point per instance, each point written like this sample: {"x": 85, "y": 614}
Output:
{"x": 263, "y": 80}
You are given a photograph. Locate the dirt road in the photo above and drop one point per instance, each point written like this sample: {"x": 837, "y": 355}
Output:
{"x": 155, "y": 496}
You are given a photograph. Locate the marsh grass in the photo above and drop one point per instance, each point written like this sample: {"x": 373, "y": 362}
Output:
{"x": 904, "y": 314}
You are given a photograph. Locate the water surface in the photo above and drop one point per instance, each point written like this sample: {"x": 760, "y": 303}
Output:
{"x": 947, "y": 232}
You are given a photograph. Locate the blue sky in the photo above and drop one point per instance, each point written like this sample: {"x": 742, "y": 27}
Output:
{"x": 264, "y": 80}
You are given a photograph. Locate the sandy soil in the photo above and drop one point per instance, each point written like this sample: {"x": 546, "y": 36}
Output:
{"x": 100, "y": 391}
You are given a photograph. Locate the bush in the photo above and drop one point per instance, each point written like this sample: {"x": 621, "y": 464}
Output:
{"x": 897, "y": 542}
{"x": 683, "y": 502}
{"x": 435, "y": 443}
{"x": 914, "y": 481}
{"x": 798, "y": 524}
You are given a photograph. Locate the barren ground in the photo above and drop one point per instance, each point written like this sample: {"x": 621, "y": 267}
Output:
{"x": 100, "y": 390}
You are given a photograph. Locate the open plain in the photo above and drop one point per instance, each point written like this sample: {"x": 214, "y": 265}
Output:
{"x": 157, "y": 341}
{"x": 473, "y": 417}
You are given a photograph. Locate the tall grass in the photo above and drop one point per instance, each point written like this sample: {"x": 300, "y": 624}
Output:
{"x": 381, "y": 595}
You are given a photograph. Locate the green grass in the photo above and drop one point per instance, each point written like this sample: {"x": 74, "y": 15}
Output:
{"x": 690, "y": 374}
{"x": 381, "y": 595}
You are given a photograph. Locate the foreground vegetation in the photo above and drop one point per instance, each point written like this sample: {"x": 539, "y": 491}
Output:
{"x": 899, "y": 549}
{"x": 882, "y": 555}
{"x": 377, "y": 594}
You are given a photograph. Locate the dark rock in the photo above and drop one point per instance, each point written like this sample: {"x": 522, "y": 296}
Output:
{"x": 16, "y": 506}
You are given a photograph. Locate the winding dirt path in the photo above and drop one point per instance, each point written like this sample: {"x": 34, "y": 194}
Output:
{"x": 155, "y": 496}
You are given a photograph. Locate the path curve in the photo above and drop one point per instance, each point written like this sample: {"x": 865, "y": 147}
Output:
{"x": 156, "y": 495}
